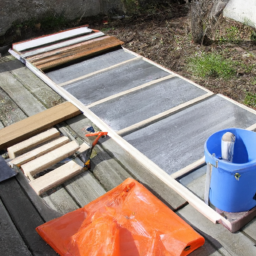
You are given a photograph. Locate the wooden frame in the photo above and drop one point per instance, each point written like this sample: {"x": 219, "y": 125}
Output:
{"x": 136, "y": 154}
{"x": 51, "y": 38}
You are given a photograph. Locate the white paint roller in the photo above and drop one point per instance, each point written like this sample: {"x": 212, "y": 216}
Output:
{"x": 227, "y": 146}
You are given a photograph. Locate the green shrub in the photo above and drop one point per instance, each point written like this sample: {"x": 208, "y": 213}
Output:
{"x": 250, "y": 100}
{"x": 211, "y": 65}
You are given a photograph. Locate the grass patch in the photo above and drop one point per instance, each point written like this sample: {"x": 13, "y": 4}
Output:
{"x": 250, "y": 100}
{"x": 211, "y": 65}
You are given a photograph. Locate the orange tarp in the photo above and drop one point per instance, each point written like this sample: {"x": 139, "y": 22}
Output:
{"x": 126, "y": 221}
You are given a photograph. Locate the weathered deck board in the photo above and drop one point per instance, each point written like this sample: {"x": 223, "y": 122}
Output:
{"x": 233, "y": 243}
{"x": 10, "y": 65}
{"x": 1, "y": 125}
{"x": 140, "y": 173}
{"x": 88, "y": 66}
{"x": 107, "y": 170}
{"x": 250, "y": 229}
{"x": 9, "y": 111}
{"x": 145, "y": 103}
{"x": 182, "y": 135}
{"x": 20, "y": 95}
{"x": 114, "y": 81}
{"x": 11, "y": 243}
{"x": 37, "y": 87}
{"x": 44, "y": 210}
{"x": 59, "y": 200}
{"x": 84, "y": 188}
{"x": 25, "y": 216}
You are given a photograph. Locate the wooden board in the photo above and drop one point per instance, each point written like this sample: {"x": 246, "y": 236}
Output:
{"x": 51, "y": 38}
{"x": 55, "y": 177}
{"x": 43, "y": 162}
{"x": 66, "y": 54}
{"x": 24, "y": 129}
{"x": 32, "y": 142}
{"x": 20, "y": 95}
{"x": 39, "y": 151}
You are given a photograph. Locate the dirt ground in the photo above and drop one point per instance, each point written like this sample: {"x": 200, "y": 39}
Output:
{"x": 163, "y": 35}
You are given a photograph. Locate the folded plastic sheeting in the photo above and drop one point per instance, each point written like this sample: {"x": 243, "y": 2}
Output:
{"x": 126, "y": 221}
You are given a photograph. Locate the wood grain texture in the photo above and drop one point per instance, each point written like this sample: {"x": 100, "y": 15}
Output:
{"x": 66, "y": 54}
{"x": 39, "y": 151}
{"x": 20, "y": 95}
{"x": 43, "y": 162}
{"x": 55, "y": 177}
{"x": 32, "y": 142}
{"x": 24, "y": 129}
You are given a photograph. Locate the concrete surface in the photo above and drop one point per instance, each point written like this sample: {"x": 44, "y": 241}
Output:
{"x": 140, "y": 105}
{"x": 88, "y": 66}
{"x": 242, "y": 11}
{"x": 178, "y": 140}
{"x": 114, "y": 81}
{"x": 27, "y": 10}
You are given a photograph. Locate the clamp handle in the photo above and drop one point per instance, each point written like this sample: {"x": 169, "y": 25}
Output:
{"x": 99, "y": 134}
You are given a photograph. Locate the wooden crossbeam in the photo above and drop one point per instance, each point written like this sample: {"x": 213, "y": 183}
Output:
{"x": 56, "y": 177}
{"x": 43, "y": 162}
{"x": 35, "y": 124}
{"x": 18, "y": 161}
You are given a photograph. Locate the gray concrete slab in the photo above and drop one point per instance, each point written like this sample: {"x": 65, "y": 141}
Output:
{"x": 226, "y": 242}
{"x": 88, "y": 66}
{"x": 11, "y": 243}
{"x": 37, "y": 87}
{"x": 140, "y": 173}
{"x": 178, "y": 140}
{"x": 140, "y": 105}
{"x": 24, "y": 216}
{"x": 114, "y": 81}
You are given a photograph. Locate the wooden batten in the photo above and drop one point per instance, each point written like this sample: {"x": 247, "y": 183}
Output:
{"x": 18, "y": 161}
{"x": 61, "y": 56}
{"x": 36, "y": 42}
{"x": 56, "y": 177}
{"x": 43, "y": 162}
{"x": 32, "y": 142}
{"x": 35, "y": 124}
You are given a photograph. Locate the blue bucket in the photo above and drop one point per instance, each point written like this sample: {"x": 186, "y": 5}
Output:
{"x": 233, "y": 185}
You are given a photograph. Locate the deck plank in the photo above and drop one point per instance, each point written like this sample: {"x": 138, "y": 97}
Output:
{"x": 227, "y": 242}
{"x": 140, "y": 173}
{"x": 10, "y": 65}
{"x": 11, "y": 243}
{"x": 24, "y": 216}
{"x": 20, "y": 95}
{"x": 48, "y": 97}
{"x": 10, "y": 113}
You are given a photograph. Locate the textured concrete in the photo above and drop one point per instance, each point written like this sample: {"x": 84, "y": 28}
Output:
{"x": 114, "y": 81}
{"x": 26, "y": 10}
{"x": 178, "y": 140}
{"x": 140, "y": 105}
{"x": 240, "y": 11}
{"x": 227, "y": 243}
{"x": 88, "y": 66}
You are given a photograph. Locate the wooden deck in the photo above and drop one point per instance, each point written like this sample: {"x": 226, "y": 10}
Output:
{"x": 21, "y": 210}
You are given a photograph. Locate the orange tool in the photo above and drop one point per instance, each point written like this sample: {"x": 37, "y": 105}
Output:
{"x": 87, "y": 163}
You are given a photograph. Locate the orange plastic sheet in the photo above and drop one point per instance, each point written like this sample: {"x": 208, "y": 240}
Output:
{"x": 126, "y": 221}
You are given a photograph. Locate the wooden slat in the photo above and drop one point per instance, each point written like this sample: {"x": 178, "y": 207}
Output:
{"x": 32, "y": 142}
{"x": 66, "y": 54}
{"x": 43, "y": 162}
{"x": 39, "y": 151}
{"x": 62, "y": 44}
{"x": 26, "y": 128}
{"x": 51, "y": 38}
{"x": 20, "y": 95}
{"x": 56, "y": 177}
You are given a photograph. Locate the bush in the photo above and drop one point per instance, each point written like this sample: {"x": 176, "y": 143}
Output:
{"x": 211, "y": 65}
